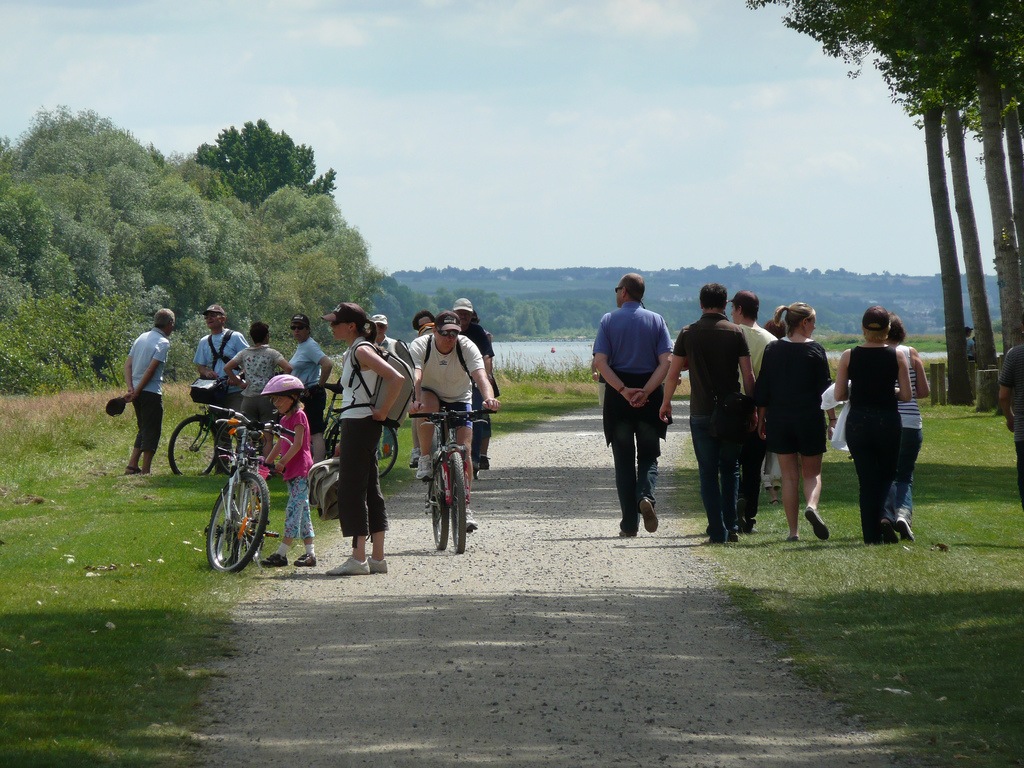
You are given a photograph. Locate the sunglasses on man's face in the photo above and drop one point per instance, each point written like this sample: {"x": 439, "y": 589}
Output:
{"x": 448, "y": 334}
{"x": 299, "y": 327}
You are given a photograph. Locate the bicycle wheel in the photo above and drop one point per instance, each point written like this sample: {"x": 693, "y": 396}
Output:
{"x": 238, "y": 523}
{"x": 438, "y": 506}
{"x": 387, "y": 450}
{"x": 192, "y": 450}
{"x": 457, "y": 508}
{"x": 331, "y": 435}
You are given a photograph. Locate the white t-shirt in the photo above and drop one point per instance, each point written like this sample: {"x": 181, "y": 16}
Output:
{"x": 443, "y": 374}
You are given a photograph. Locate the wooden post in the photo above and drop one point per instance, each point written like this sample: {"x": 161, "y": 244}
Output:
{"x": 987, "y": 390}
{"x": 972, "y": 370}
{"x": 937, "y": 382}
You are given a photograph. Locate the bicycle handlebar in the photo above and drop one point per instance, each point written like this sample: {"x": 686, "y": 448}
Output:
{"x": 443, "y": 415}
{"x": 251, "y": 423}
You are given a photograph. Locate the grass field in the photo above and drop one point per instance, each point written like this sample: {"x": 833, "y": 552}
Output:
{"x": 109, "y": 605}
{"x": 922, "y": 641}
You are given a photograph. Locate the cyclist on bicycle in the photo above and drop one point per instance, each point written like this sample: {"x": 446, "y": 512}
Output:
{"x": 447, "y": 366}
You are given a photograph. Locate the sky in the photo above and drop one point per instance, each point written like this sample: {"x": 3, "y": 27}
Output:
{"x": 652, "y": 134}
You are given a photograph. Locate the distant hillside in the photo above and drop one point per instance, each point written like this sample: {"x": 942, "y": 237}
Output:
{"x": 523, "y": 303}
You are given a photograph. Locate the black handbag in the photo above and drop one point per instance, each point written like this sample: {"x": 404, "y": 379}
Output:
{"x": 209, "y": 391}
{"x": 732, "y": 419}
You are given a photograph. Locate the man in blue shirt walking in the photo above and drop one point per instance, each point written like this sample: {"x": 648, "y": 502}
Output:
{"x": 632, "y": 355}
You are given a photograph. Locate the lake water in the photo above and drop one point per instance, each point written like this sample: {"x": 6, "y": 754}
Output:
{"x": 550, "y": 354}
{"x": 567, "y": 354}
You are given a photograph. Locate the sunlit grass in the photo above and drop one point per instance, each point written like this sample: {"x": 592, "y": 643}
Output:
{"x": 938, "y": 618}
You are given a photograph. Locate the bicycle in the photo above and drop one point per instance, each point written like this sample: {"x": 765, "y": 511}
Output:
{"x": 238, "y": 523}
{"x": 446, "y": 492}
{"x": 193, "y": 446}
{"x": 387, "y": 448}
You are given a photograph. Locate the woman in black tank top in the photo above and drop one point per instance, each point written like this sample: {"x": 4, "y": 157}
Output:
{"x": 872, "y": 377}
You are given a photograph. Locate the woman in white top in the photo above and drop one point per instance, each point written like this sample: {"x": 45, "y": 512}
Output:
{"x": 899, "y": 507}
{"x": 360, "y": 502}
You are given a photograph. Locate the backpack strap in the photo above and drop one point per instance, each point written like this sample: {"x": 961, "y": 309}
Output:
{"x": 357, "y": 368}
{"x": 458, "y": 349}
{"x": 219, "y": 355}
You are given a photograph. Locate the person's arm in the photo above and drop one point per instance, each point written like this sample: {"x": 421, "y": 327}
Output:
{"x": 283, "y": 364}
{"x": 417, "y": 391}
{"x": 130, "y": 392}
{"x": 843, "y": 377}
{"x": 1006, "y": 404}
{"x": 483, "y": 383}
{"x": 326, "y": 366}
{"x": 905, "y": 393}
{"x": 676, "y": 365}
{"x": 762, "y": 422}
{"x": 657, "y": 379}
{"x": 229, "y": 368}
{"x": 831, "y": 421}
{"x": 921, "y": 388}
{"x": 747, "y": 374}
{"x": 150, "y": 372}
{"x": 611, "y": 379}
{"x": 293, "y": 449}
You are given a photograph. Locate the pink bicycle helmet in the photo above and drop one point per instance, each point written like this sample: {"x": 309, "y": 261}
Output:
{"x": 283, "y": 383}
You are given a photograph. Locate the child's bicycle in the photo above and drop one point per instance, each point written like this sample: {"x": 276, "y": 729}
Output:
{"x": 446, "y": 493}
{"x": 239, "y": 520}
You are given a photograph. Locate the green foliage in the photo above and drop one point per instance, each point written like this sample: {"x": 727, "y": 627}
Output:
{"x": 257, "y": 161}
{"x": 56, "y": 342}
{"x": 86, "y": 211}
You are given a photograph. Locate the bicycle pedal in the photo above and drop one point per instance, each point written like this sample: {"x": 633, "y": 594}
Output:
{"x": 271, "y": 535}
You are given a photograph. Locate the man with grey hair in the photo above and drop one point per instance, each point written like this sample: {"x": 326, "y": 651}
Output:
{"x": 144, "y": 375}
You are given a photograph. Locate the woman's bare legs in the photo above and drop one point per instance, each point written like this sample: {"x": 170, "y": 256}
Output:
{"x": 790, "y": 466}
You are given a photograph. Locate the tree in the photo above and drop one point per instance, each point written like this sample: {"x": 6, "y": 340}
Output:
{"x": 256, "y": 162}
{"x": 932, "y": 54}
{"x": 986, "y": 349}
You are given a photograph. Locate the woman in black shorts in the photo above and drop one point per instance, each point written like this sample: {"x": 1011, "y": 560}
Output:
{"x": 794, "y": 373}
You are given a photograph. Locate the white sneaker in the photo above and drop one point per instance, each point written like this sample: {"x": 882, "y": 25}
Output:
{"x": 377, "y": 566}
{"x": 423, "y": 468}
{"x": 351, "y": 567}
{"x": 471, "y": 524}
{"x": 414, "y": 458}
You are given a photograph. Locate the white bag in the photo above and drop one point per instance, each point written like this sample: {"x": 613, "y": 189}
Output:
{"x": 839, "y": 433}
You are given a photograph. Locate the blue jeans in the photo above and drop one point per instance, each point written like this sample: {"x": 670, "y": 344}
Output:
{"x": 718, "y": 466}
{"x": 481, "y": 427}
{"x": 636, "y": 447}
{"x": 900, "y": 503}
{"x": 873, "y": 435}
{"x": 1019, "y": 447}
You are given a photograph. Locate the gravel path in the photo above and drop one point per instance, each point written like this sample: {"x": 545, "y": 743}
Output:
{"x": 551, "y": 642}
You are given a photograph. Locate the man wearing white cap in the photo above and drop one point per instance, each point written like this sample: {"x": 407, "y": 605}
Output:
{"x": 383, "y": 341}
{"x": 217, "y": 348}
{"x": 475, "y": 333}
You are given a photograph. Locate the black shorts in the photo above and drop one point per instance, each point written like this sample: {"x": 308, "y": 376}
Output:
{"x": 802, "y": 433}
{"x": 149, "y": 415}
{"x": 449, "y": 406}
{"x": 314, "y": 403}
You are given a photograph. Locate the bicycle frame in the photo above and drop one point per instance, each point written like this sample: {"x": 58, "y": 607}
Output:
{"x": 238, "y": 523}
{"x": 445, "y": 486}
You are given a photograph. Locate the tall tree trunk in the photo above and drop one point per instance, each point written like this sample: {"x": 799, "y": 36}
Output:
{"x": 975, "y": 268}
{"x": 949, "y": 267}
{"x": 1015, "y": 155}
{"x": 1007, "y": 261}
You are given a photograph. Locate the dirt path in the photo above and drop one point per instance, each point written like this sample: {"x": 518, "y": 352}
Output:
{"x": 551, "y": 642}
